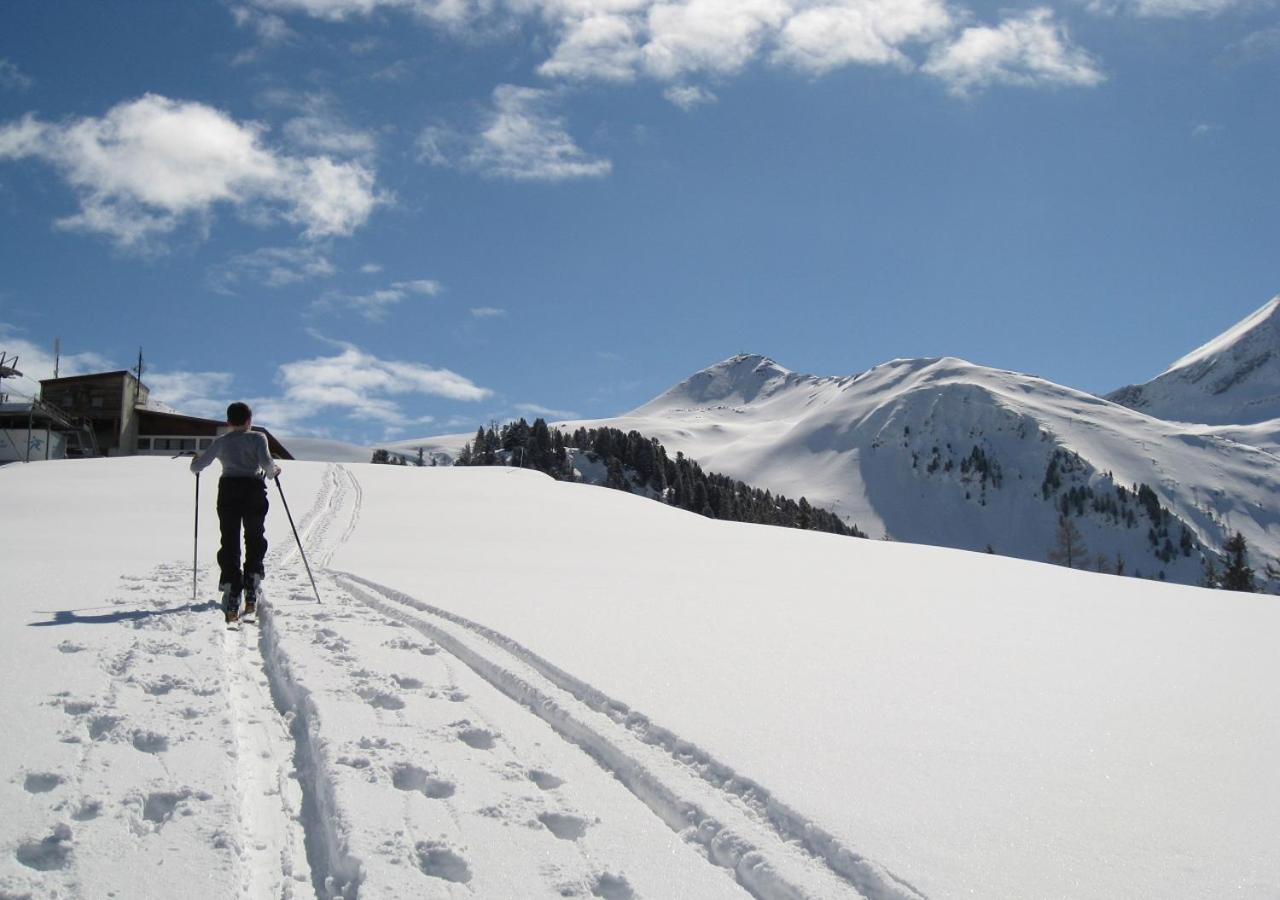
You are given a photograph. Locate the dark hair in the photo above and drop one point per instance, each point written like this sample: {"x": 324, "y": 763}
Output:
{"x": 238, "y": 413}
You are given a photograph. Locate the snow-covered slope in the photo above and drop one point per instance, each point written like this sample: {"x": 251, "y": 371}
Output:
{"x": 1234, "y": 379}
{"x": 941, "y": 451}
{"x": 764, "y": 712}
{"x": 311, "y": 449}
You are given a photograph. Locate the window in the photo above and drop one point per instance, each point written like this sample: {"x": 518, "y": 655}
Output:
{"x": 205, "y": 442}
{"x": 144, "y": 443}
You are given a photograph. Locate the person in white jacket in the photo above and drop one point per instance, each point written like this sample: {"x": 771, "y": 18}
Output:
{"x": 242, "y": 503}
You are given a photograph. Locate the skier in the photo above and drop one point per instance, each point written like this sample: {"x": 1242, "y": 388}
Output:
{"x": 242, "y": 499}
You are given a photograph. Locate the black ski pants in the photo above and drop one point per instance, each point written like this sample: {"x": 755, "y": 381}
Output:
{"x": 242, "y": 503}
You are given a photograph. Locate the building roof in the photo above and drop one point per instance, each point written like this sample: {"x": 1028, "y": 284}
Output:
{"x": 95, "y": 376}
{"x": 154, "y": 417}
{"x": 37, "y": 411}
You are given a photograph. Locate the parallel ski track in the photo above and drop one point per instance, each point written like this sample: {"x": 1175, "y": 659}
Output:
{"x": 772, "y": 850}
{"x": 767, "y": 840}
{"x": 288, "y": 832}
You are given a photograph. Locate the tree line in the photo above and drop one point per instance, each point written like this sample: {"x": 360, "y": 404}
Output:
{"x": 640, "y": 465}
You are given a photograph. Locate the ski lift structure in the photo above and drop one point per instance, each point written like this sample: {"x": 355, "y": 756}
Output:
{"x": 31, "y": 429}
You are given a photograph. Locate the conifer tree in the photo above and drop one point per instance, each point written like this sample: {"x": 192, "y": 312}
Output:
{"x": 1238, "y": 576}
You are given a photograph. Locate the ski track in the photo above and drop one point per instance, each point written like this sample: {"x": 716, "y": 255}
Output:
{"x": 750, "y": 832}
{"x": 294, "y": 826}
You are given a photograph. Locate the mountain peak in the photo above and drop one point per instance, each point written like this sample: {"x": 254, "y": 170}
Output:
{"x": 737, "y": 380}
{"x": 1261, "y": 327}
{"x": 1233, "y": 379}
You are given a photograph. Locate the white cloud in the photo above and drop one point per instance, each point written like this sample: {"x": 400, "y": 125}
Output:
{"x": 719, "y": 36}
{"x": 1204, "y": 129}
{"x": 204, "y": 394}
{"x": 269, "y": 28}
{"x": 36, "y": 362}
{"x": 360, "y": 386}
{"x": 487, "y": 312}
{"x": 375, "y": 305}
{"x": 1257, "y": 46}
{"x": 371, "y": 268}
{"x": 600, "y": 46}
{"x": 1164, "y": 9}
{"x": 534, "y": 409}
{"x": 12, "y": 78}
{"x": 152, "y": 164}
{"x": 818, "y": 39}
{"x": 521, "y": 138}
{"x": 670, "y": 40}
{"x": 272, "y": 266}
{"x": 445, "y": 12}
{"x": 1028, "y": 50}
{"x": 319, "y": 127}
{"x": 689, "y": 96}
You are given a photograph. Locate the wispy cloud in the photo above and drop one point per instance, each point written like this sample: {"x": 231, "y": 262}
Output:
{"x": 204, "y": 394}
{"x": 319, "y": 126}
{"x": 375, "y": 305}
{"x": 361, "y": 386}
{"x": 544, "y": 412}
{"x": 487, "y": 312}
{"x": 1163, "y": 9}
{"x": 1031, "y": 49}
{"x": 152, "y": 164}
{"x": 271, "y": 266}
{"x": 12, "y": 78}
{"x": 1256, "y": 46}
{"x": 521, "y": 137}
{"x": 36, "y": 362}
{"x": 1204, "y": 129}
{"x": 688, "y": 97}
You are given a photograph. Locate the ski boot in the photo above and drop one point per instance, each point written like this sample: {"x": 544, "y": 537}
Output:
{"x": 251, "y": 583}
{"x": 230, "y": 603}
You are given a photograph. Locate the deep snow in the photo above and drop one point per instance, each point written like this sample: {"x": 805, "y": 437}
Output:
{"x": 521, "y": 688}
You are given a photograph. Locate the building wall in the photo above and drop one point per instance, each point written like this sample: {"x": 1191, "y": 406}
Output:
{"x": 108, "y": 400}
{"x": 13, "y": 444}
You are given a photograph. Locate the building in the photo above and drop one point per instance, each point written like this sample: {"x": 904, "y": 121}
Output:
{"x": 122, "y": 420}
{"x": 32, "y": 430}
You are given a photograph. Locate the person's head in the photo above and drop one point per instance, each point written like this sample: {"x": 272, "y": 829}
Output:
{"x": 239, "y": 415}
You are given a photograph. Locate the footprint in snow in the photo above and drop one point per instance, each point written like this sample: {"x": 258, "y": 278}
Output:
{"x": 612, "y": 887}
{"x": 88, "y": 809}
{"x": 159, "y": 806}
{"x": 47, "y": 854}
{"x": 477, "y": 738}
{"x": 408, "y": 777}
{"x": 566, "y": 828}
{"x": 544, "y": 780}
{"x": 42, "y": 782}
{"x": 380, "y": 699}
{"x": 438, "y": 861}
{"x": 150, "y": 742}
{"x": 71, "y": 647}
{"x": 101, "y": 726}
{"x": 407, "y": 683}
{"x": 77, "y": 707}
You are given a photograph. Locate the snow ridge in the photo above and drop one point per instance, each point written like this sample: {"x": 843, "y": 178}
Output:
{"x": 757, "y": 847}
{"x": 1233, "y": 379}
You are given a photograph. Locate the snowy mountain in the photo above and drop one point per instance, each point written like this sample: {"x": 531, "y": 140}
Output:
{"x": 1234, "y": 379}
{"x": 518, "y": 688}
{"x": 944, "y": 452}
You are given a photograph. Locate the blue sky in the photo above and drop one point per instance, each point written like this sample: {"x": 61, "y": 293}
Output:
{"x": 378, "y": 219}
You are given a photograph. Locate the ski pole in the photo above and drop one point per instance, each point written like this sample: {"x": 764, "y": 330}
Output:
{"x": 195, "y": 542}
{"x": 298, "y": 539}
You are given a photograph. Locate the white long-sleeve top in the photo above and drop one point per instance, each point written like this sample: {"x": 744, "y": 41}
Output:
{"x": 243, "y": 454}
